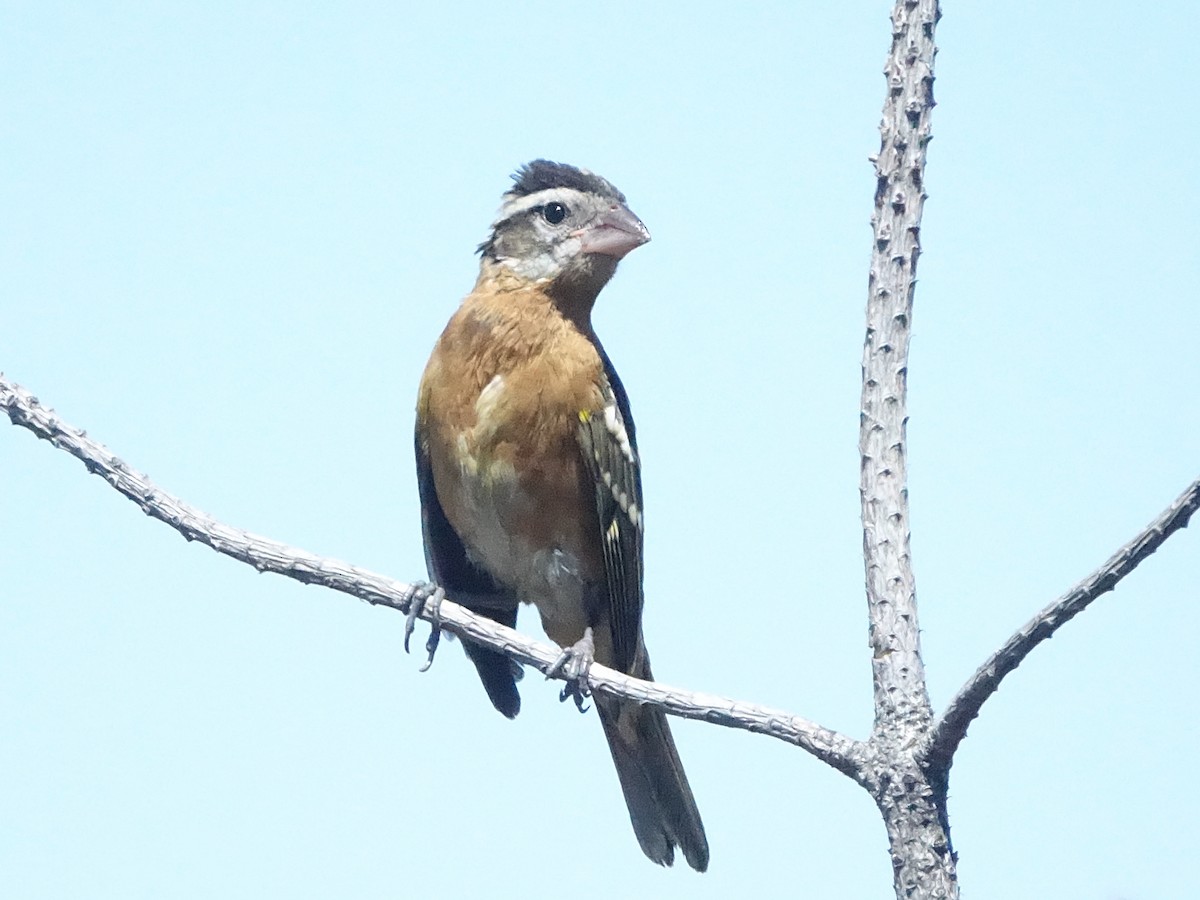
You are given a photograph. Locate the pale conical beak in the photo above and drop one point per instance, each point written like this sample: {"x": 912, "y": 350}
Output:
{"x": 614, "y": 234}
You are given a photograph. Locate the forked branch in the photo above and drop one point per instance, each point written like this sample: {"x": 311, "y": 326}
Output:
{"x": 905, "y": 762}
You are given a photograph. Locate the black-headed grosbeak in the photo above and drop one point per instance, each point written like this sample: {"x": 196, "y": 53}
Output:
{"x": 529, "y": 477}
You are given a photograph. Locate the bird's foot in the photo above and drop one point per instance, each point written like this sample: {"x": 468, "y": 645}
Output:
{"x": 422, "y": 596}
{"x": 573, "y": 664}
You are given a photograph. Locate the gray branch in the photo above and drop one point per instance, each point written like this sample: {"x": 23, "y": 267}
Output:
{"x": 905, "y": 763}
{"x": 913, "y": 803}
{"x": 901, "y": 701}
{"x": 841, "y": 752}
{"x": 951, "y": 727}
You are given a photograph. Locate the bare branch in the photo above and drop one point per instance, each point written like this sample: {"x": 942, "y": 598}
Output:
{"x": 902, "y": 707}
{"x": 913, "y": 808}
{"x": 841, "y": 752}
{"x": 951, "y": 727}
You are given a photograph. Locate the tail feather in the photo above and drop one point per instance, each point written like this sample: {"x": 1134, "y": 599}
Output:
{"x": 660, "y": 801}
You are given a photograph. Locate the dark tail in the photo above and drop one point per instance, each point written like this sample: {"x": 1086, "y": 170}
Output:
{"x": 660, "y": 801}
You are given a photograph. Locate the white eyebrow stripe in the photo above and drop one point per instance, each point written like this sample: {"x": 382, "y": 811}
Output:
{"x": 518, "y": 205}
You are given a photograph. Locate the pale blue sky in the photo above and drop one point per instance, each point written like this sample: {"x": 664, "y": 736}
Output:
{"x": 230, "y": 235}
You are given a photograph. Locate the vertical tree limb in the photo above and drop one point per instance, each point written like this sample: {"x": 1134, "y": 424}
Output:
{"x": 912, "y": 803}
{"x": 906, "y": 761}
{"x": 901, "y": 699}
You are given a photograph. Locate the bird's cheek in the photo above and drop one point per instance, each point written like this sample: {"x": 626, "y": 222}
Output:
{"x": 571, "y": 247}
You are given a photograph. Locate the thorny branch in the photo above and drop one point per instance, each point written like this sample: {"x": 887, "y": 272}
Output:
{"x": 901, "y": 700}
{"x": 911, "y": 799}
{"x": 906, "y": 761}
{"x": 839, "y": 751}
{"x": 951, "y": 727}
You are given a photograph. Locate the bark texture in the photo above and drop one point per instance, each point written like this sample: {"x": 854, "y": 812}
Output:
{"x": 905, "y": 762}
{"x": 266, "y": 555}
{"x": 911, "y": 799}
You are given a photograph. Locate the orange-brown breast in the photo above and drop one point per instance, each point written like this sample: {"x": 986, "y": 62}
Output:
{"x": 500, "y": 399}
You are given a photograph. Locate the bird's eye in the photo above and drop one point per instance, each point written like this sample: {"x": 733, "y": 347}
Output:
{"x": 554, "y": 213}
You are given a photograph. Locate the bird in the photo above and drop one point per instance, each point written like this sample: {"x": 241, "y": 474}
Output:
{"x": 530, "y": 480}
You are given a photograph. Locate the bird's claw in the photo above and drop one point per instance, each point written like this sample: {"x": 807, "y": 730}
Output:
{"x": 574, "y": 664}
{"x": 422, "y": 596}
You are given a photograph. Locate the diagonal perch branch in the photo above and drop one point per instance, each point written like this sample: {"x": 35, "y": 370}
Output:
{"x": 951, "y": 728}
{"x": 839, "y": 751}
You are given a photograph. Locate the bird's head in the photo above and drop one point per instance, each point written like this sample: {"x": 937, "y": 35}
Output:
{"x": 564, "y": 227}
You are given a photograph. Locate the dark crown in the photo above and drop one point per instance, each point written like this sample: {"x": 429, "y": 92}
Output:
{"x": 542, "y": 174}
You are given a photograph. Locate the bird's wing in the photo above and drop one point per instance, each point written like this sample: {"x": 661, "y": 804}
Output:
{"x": 468, "y": 585}
{"x": 609, "y": 446}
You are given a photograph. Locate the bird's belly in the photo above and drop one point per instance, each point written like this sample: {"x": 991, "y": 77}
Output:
{"x": 515, "y": 537}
